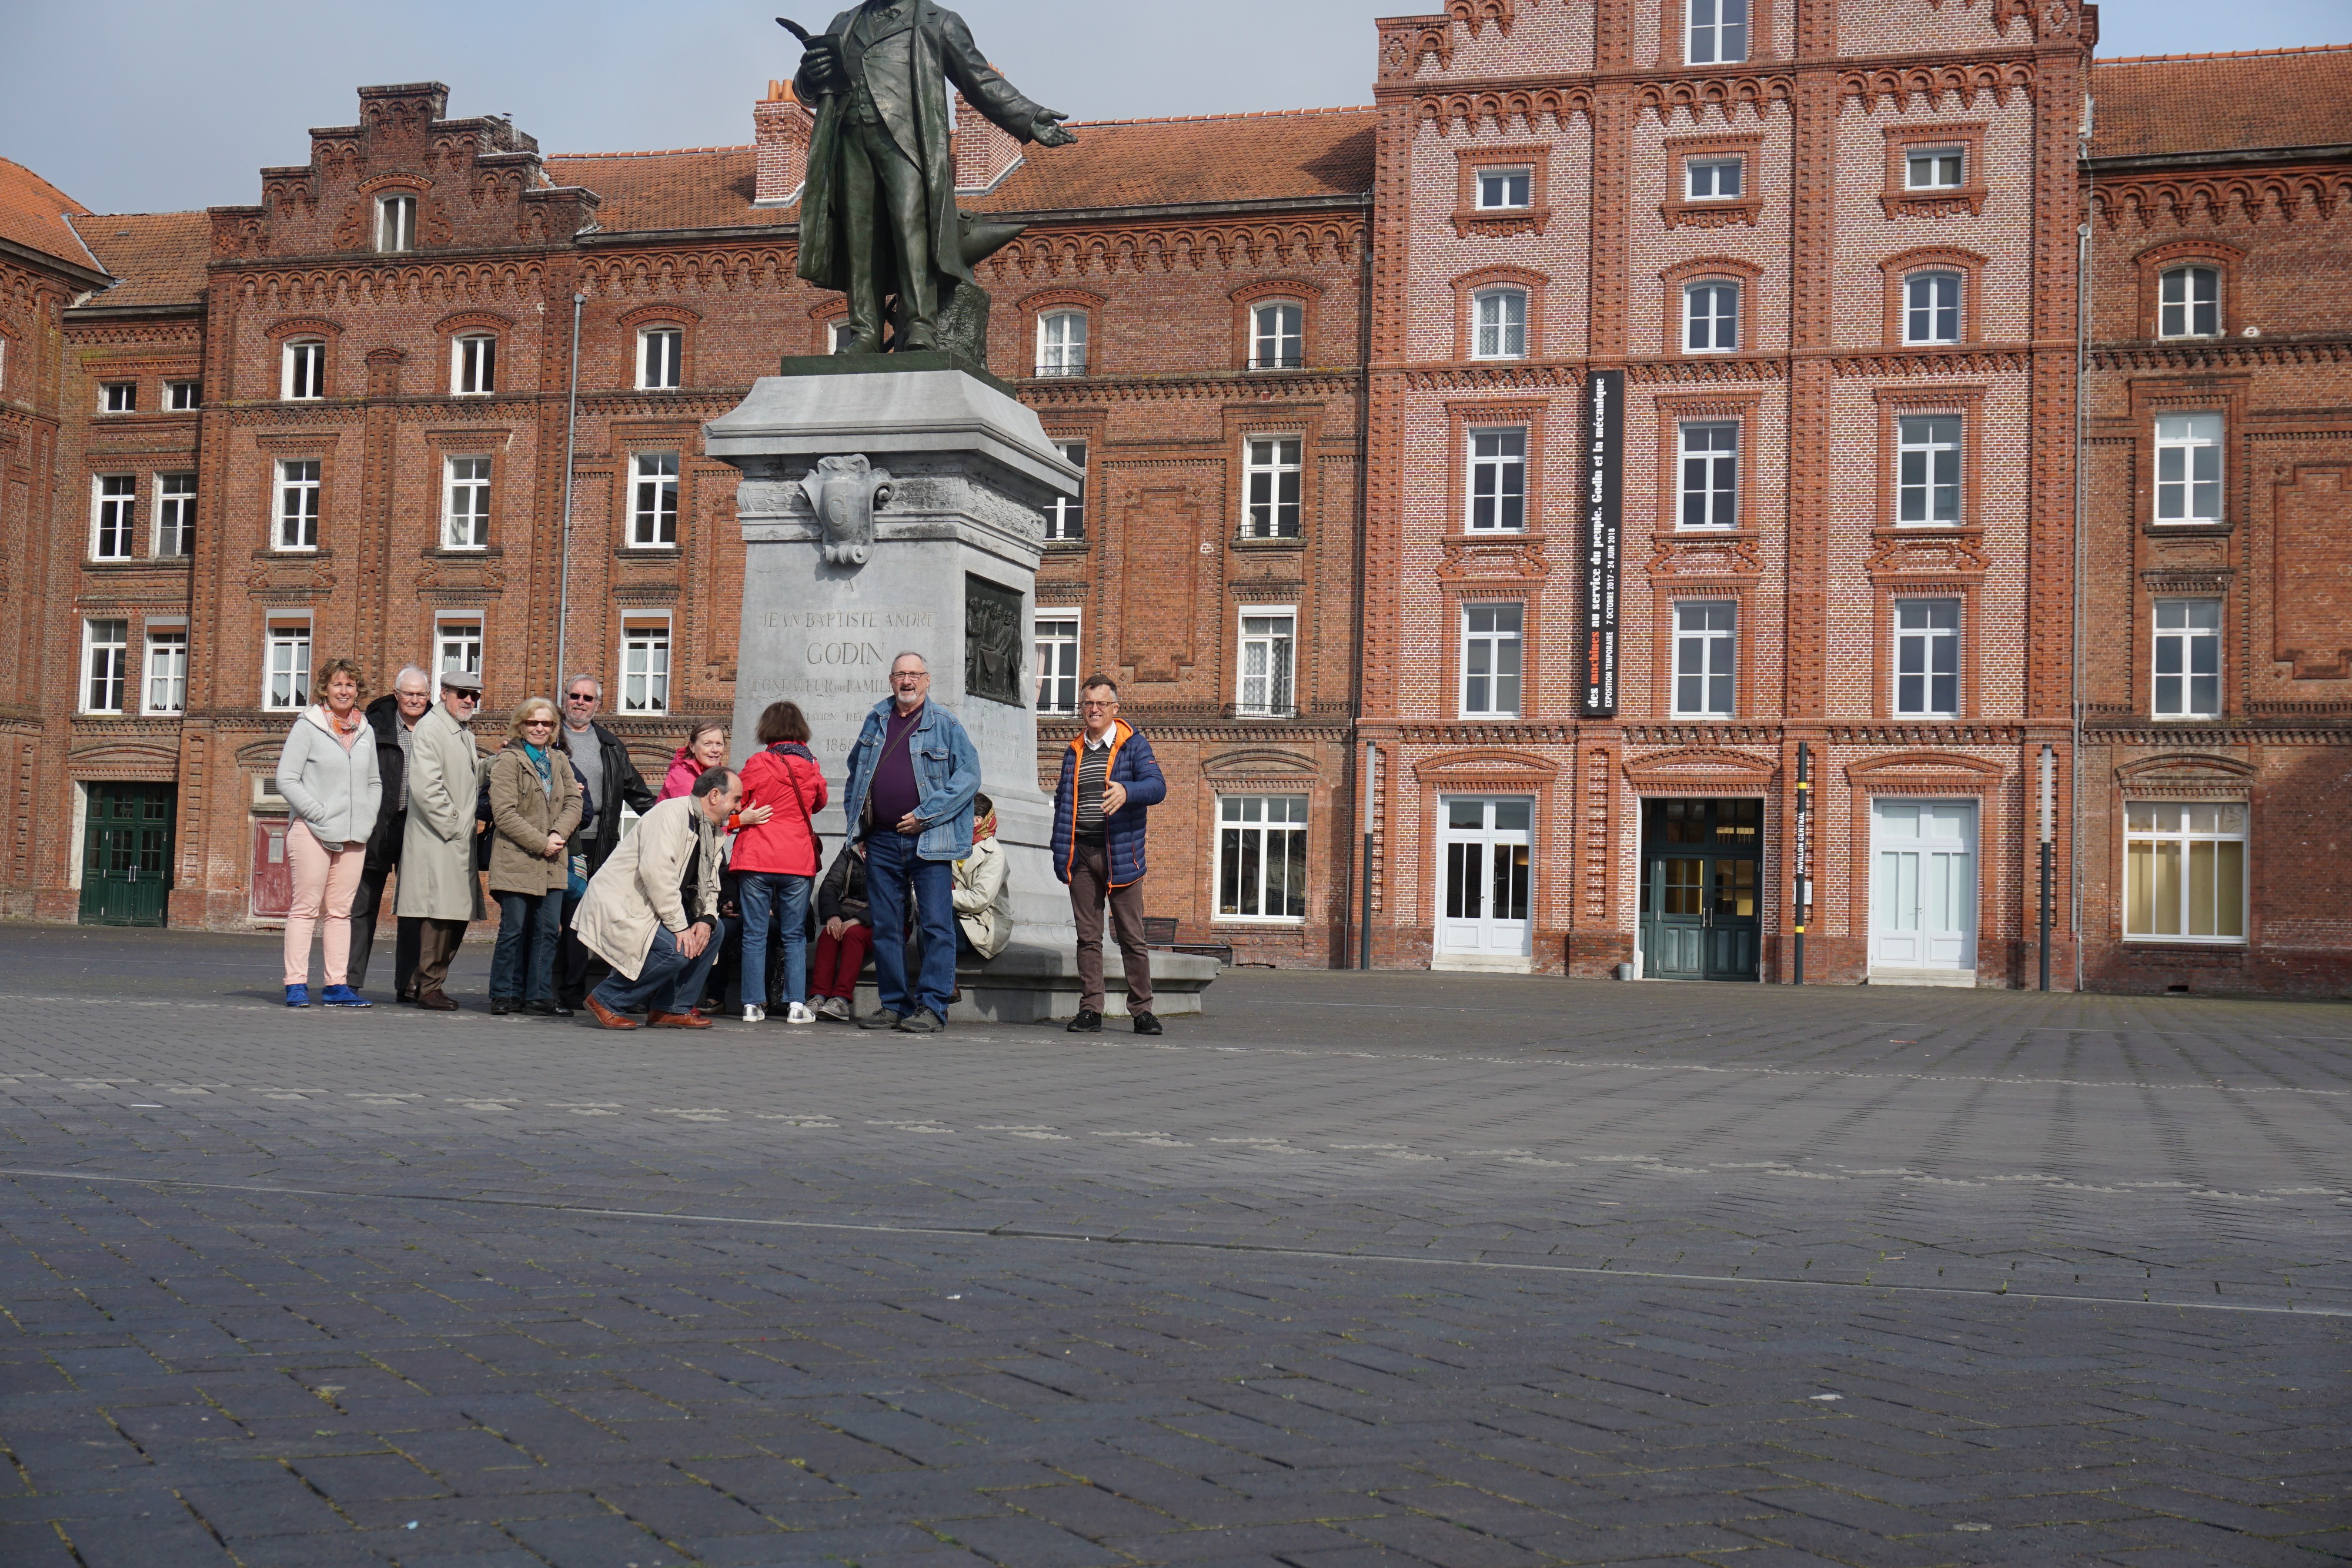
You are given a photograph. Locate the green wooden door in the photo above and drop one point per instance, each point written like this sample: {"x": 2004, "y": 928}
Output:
{"x": 1701, "y": 913}
{"x": 126, "y": 861}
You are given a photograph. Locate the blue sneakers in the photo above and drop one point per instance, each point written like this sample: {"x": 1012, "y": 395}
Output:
{"x": 344, "y": 996}
{"x": 298, "y": 996}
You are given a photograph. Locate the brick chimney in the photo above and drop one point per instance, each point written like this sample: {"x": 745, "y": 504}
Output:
{"x": 781, "y": 127}
{"x": 984, "y": 154}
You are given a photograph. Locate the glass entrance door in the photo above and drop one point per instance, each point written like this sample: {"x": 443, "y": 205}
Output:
{"x": 126, "y": 854}
{"x": 1702, "y": 910}
{"x": 1486, "y": 876}
{"x": 1923, "y": 884}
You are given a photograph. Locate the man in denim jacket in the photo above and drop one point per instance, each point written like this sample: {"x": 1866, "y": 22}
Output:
{"x": 912, "y": 775}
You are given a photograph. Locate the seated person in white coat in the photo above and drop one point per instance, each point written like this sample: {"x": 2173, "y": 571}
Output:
{"x": 983, "y": 900}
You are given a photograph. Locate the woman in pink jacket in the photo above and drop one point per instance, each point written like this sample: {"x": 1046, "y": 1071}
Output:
{"x": 777, "y": 860}
{"x": 705, "y": 748}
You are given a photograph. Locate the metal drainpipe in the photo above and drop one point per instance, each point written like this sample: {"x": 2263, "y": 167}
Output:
{"x": 2082, "y": 523}
{"x": 563, "y": 579}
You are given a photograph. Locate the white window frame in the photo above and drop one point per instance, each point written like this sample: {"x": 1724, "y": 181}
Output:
{"x": 1927, "y": 652}
{"x": 1944, "y": 310}
{"x": 183, "y": 394}
{"x": 474, "y": 364}
{"x": 1494, "y": 659}
{"x": 395, "y": 223}
{"x": 1934, "y": 156}
{"x": 458, "y": 641}
{"x": 1715, "y": 667}
{"x": 653, "y": 477}
{"x": 1242, "y": 819}
{"x": 1715, "y": 32}
{"x": 1496, "y": 480}
{"x": 113, "y": 516}
{"x": 841, "y": 334}
{"x": 1504, "y": 335}
{"x": 105, "y": 665}
{"x": 1710, "y": 474}
{"x": 2179, "y": 318}
{"x": 661, "y": 356}
{"x": 166, "y": 663}
{"x": 303, "y": 370}
{"x": 1055, "y": 635}
{"x": 294, "y": 524}
{"x": 2185, "y": 633}
{"x": 285, "y": 663}
{"x": 1706, "y": 321}
{"x": 1062, "y": 343}
{"x": 646, "y": 641}
{"x": 1517, "y": 184}
{"x": 2183, "y": 828}
{"x": 1718, "y": 188}
{"x": 1939, "y": 467}
{"x": 1277, "y": 334}
{"x": 1274, "y": 486}
{"x": 118, "y": 397}
{"x": 2190, "y": 467}
{"x": 1066, "y": 516}
{"x": 465, "y": 502}
{"x": 175, "y": 516}
{"x": 1277, "y": 679}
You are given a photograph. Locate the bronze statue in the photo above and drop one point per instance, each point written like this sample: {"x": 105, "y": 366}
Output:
{"x": 878, "y": 214}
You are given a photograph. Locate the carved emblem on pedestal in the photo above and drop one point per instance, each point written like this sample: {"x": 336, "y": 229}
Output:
{"x": 843, "y": 493}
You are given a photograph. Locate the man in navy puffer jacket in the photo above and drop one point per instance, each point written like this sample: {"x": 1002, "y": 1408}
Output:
{"x": 1109, "y": 781}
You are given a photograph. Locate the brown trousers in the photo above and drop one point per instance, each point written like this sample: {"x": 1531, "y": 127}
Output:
{"x": 1090, "y": 889}
{"x": 436, "y": 949}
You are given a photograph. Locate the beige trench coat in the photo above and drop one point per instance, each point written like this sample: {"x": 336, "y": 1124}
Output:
{"x": 522, "y": 815}
{"x": 635, "y": 890}
{"x": 437, "y": 881}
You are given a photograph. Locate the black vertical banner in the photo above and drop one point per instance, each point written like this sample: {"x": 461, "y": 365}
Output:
{"x": 1602, "y": 498}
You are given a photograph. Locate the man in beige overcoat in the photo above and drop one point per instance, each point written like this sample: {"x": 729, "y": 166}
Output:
{"x": 438, "y": 883}
{"x": 652, "y": 911}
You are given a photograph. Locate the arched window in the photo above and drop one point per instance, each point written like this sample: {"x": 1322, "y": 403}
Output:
{"x": 1499, "y": 322}
{"x": 395, "y": 224}
{"x": 2188, "y": 303}
{"x": 1711, "y": 316}
{"x": 1062, "y": 343}
{"x": 1277, "y": 334}
{"x": 302, "y": 374}
{"x": 661, "y": 357}
{"x": 1931, "y": 307}
{"x": 473, "y": 365}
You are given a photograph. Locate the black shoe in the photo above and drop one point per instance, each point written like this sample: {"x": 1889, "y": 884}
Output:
{"x": 502, "y": 1005}
{"x": 1088, "y": 1021}
{"x": 880, "y": 1018}
{"x": 550, "y": 1010}
{"x": 406, "y": 998}
{"x": 1146, "y": 1024}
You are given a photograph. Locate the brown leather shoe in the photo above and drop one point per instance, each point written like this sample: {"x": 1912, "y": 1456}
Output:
{"x": 436, "y": 1002}
{"x": 677, "y": 1020}
{"x": 608, "y": 1017}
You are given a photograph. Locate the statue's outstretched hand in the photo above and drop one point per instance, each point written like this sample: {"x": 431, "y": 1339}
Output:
{"x": 1047, "y": 131}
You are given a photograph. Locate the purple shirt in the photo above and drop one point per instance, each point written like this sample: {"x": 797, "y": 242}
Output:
{"x": 894, "y": 792}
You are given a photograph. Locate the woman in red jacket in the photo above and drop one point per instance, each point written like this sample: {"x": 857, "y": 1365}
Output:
{"x": 777, "y": 860}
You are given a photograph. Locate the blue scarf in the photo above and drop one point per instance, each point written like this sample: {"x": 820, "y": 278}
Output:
{"x": 544, "y": 764}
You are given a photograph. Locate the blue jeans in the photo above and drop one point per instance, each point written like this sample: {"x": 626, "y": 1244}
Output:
{"x": 788, "y": 896}
{"x": 531, "y": 929}
{"x": 893, "y": 871}
{"x": 669, "y": 982}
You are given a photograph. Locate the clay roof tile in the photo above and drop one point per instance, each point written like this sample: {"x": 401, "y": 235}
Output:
{"x": 37, "y": 215}
{"x": 2153, "y": 105}
{"x": 160, "y": 256}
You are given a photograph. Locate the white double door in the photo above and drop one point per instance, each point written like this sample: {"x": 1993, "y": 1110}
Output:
{"x": 1485, "y": 879}
{"x": 1923, "y": 884}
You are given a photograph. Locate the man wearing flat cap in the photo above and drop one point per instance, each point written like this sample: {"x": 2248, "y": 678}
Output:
{"x": 437, "y": 884}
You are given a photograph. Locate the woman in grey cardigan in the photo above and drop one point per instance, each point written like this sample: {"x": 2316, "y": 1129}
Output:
{"x": 328, "y": 774}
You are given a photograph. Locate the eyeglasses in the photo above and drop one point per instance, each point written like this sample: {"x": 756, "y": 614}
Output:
{"x": 579, "y": 696}
{"x": 457, "y": 696}
{"x": 1113, "y": 703}
{"x": 538, "y": 723}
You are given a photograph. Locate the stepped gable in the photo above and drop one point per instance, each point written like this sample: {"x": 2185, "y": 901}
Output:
{"x": 159, "y": 256}
{"x": 39, "y": 216}
{"x": 2153, "y": 105}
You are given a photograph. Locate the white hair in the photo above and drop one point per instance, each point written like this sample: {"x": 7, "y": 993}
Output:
{"x": 584, "y": 675}
{"x": 909, "y": 654}
{"x": 419, "y": 671}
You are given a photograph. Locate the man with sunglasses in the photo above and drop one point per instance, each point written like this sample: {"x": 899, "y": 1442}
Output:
{"x": 437, "y": 884}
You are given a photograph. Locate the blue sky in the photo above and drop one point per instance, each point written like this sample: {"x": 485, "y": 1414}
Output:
{"x": 193, "y": 98}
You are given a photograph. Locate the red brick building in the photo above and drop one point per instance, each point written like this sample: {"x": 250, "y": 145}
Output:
{"x": 1329, "y": 374}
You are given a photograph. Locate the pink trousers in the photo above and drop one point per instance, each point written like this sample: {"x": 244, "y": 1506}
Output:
{"x": 324, "y": 883}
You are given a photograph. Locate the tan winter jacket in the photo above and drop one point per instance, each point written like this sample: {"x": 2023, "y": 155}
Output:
{"x": 522, "y": 815}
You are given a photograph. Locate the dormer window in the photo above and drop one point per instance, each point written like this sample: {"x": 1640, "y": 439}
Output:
{"x": 395, "y": 224}
{"x": 1501, "y": 190}
{"x": 474, "y": 365}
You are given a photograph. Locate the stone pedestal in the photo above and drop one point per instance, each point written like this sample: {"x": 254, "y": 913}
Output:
{"x": 954, "y": 475}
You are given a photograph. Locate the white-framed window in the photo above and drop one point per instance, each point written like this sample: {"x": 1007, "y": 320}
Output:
{"x": 1710, "y": 474}
{"x": 1277, "y": 334}
{"x": 1931, "y": 307}
{"x": 653, "y": 510}
{"x": 302, "y": 374}
{"x": 464, "y": 502}
{"x": 175, "y": 513}
{"x": 298, "y": 504}
{"x": 1502, "y": 189}
{"x": 1704, "y": 633}
{"x": 1712, "y": 178}
{"x": 4, "y": 363}
{"x": 2185, "y": 870}
{"x": 457, "y": 643}
{"x": 2189, "y": 302}
{"x": 2188, "y": 468}
{"x": 1499, "y": 322}
{"x": 1933, "y": 168}
{"x": 105, "y": 664}
{"x": 1499, "y": 479}
{"x": 473, "y": 365}
{"x": 118, "y": 397}
{"x": 1066, "y": 516}
{"x": 1261, "y": 858}
{"x": 1491, "y": 648}
{"x": 1927, "y": 658}
{"x": 167, "y": 668}
{"x": 183, "y": 394}
{"x": 2188, "y": 677}
{"x": 1271, "y": 470}
{"x": 1717, "y": 32}
{"x": 644, "y": 664}
{"x": 1062, "y": 343}
{"x": 395, "y": 224}
{"x": 661, "y": 357}
{"x": 1265, "y": 664}
{"x": 841, "y": 336}
{"x": 1711, "y": 316}
{"x": 1057, "y": 662}
{"x": 1928, "y": 468}
{"x": 285, "y": 663}
{"x": 114, "y": 504}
